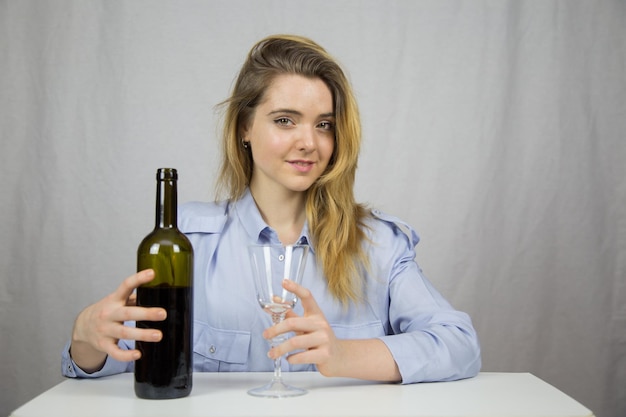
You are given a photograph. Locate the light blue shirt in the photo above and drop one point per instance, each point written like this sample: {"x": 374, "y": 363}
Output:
{"x": 429, "y": 340}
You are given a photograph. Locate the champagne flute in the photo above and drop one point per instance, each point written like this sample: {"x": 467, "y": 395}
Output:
{"x": 271, "y": 264}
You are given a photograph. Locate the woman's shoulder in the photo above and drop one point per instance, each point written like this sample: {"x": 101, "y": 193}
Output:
{"x": 203, "y": 208}
{"x": 202, "y": 217}
{"x": 386, "y": 226}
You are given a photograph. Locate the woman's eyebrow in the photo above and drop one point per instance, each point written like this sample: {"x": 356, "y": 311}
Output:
{"x": 297, "y": 113}
{"x": 285, "y": 111}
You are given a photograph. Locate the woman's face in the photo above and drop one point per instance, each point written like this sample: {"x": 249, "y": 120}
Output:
{"x": 291, "y": 135}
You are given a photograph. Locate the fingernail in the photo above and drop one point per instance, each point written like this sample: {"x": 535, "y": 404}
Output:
{"x": 156, "y": 336}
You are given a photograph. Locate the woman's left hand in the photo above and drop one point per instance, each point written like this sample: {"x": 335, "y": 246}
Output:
{"x": 314, "y": 340}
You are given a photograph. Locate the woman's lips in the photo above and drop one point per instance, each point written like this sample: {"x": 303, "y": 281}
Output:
{"x": 302, "y": 166}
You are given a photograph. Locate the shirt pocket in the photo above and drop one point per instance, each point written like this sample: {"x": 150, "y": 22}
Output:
{"x": 362, "y": 330}
{"x": 220, "y": 350}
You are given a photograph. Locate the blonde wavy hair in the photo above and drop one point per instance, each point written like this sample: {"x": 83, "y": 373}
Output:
{"x": 336, "y": 221}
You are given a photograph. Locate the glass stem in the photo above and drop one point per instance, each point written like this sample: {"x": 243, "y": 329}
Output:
{"x": 277, "y": 370}
{"x": 277, "y": 318}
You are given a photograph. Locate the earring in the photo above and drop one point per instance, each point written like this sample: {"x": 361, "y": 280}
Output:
{"x": 245, "y": 144}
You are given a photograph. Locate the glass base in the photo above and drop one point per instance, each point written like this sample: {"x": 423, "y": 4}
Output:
{"x": 276, "y": 389}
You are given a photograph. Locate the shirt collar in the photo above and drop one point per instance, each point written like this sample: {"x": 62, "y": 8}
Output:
{"x": 260, "y": 232}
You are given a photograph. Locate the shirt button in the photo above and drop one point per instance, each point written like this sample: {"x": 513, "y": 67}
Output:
{"x": 212, "y": 349}
{"x": 281, "y": 257}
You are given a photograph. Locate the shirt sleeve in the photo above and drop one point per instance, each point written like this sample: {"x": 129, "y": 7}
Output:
{"x": 111, "y": 366}
{"x": 429, "y": 339}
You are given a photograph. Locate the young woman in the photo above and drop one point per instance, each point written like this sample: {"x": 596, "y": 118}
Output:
{"x": 290, "y": 147}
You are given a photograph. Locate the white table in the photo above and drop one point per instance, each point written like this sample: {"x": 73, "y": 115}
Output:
{"x": 224, "y": 394}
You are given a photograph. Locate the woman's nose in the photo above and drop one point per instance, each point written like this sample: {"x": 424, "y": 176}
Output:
{"x": 306, "y": 139}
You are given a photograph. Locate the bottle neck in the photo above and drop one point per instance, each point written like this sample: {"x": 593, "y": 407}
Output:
{"x": 166, "y": 204}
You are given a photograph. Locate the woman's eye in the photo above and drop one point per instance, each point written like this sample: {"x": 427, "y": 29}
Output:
{"x": 327, "y": 125}
{"x": 283, "y": 121}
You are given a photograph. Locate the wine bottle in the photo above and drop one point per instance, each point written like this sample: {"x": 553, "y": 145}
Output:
{"x": 165, "y": 367}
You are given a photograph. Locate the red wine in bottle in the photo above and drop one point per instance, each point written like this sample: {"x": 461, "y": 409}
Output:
{"x": 165, "y": 367}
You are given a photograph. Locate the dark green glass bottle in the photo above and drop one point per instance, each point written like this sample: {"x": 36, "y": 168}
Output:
{"x": 165, "y": 368}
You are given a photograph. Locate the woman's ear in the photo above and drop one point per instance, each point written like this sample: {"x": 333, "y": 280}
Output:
{"x": 243, "y": 137}
{"x": 243, "y": 132}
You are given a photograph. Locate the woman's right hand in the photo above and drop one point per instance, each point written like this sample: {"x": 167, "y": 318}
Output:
{"x": 100, "y": 326}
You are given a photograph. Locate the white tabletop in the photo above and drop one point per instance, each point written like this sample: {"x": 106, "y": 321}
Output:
{"x": 224, "y": 394}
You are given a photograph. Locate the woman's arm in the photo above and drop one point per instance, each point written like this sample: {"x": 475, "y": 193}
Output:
{"x": 315, "y": 343}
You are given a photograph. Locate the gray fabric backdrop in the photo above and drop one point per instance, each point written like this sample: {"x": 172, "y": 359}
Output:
{"x": 496, "y": 128}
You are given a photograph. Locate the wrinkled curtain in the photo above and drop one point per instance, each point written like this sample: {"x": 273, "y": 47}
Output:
{"x": 495, "y": 128}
